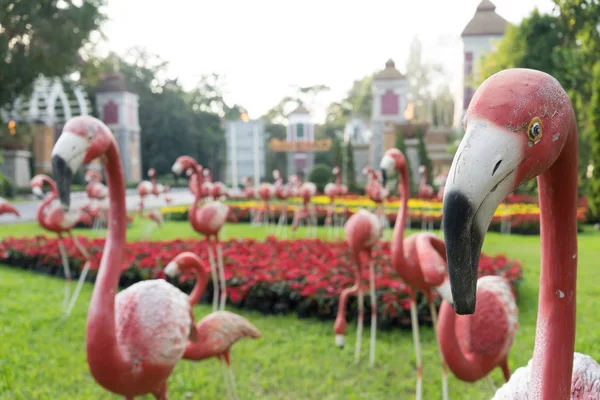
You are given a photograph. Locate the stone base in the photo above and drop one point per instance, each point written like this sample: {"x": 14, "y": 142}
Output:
{"x": 16, "y": 167}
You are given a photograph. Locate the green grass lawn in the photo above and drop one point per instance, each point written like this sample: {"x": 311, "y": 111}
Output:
{"x": 43, "y": 357}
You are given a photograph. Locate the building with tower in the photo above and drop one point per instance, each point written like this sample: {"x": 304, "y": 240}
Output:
{"x": 391, "y": 115}
{"x": 300, "y": 129}
{"x": 479, "y": 38}
{"x": 117, "y": 107}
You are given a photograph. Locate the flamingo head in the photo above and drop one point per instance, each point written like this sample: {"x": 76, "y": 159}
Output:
{"x": 151, "y": 173}
{"x": 366, "y": 170}
{"x": 515, "y": 128}
{"x": 206, "y": 172}
{"x": 184, "y": 163}
{"x": 392, "y": 159}
{"x": 83, "y": 139}
{"x": 182, "y": 262}
{"x": 335, "y": 171}
{"x": 37, "y": 185}
{"x": 276, "y": 174}
{"x": 422, "y": 169}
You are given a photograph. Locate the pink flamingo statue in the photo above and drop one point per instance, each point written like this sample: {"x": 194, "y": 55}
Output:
{"x": 6, "y": 208}
{"x": 282, "y": 193}
{"x": 520, "y": 124}
{"x": 97, "y": 194}
{"x": 55, "y": 219}
{"x": 207, "y": 221}
{"x": 218, "y": 331}
{"x": 378, "y": 193}
{"x": 469, "y": 356}
{"x": 266, "y": 192}
{"x": 363, "y": 230}
{"x": 134, "y": 338}
{"x": 332, "y": 190}
{"x": 419, "y": 260}
{"x": 306, "y": 191}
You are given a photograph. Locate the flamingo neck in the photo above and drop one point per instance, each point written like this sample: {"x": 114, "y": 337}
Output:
{"x": 200, "y": 286}
{"x": 340, "y": 320}
{"x": 107, "y": 363}
{"x": 43, "y": 208}
{"x": 197, "y": 198}
{"x": 338, "y": 179}
{"x": 466, "y": 366}
{"x": 397, "y": 244}
{"x": 555, "y": 330}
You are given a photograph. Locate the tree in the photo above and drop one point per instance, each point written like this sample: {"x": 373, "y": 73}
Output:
{"x": 304, "y": 95}
{"x": 42, "y": 38}
{"x": 350, "y": 171}
{"x": 424, "y": 157}
{"x": 320, "y": 175}
{"x": 337, "y": 153}
{"x": 593, "y": 188}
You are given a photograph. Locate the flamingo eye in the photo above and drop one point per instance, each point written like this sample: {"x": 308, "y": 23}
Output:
{"x": 534, "y": 130}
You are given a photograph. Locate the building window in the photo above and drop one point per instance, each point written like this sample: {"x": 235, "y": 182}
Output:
{"x": 111, "y": 113}
{"x": 299, "y": 131}
{"x": 356, "y": 134}
{"x": 389, "y": 103}
{"x": 468, "y": 66}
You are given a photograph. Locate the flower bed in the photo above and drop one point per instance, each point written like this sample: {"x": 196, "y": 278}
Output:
{"x": 274, "y": 276}
{"x": 524, "y": 218}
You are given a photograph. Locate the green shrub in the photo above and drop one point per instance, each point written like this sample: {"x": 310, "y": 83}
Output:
{"x": 320, "y": 175}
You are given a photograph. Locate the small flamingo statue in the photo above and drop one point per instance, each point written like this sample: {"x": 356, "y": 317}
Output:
{"x": 420, "y": 260}
{"x": 363, "y": 230}
{"x": 55, "y": 219}
{"x": 426, "y": 193}
{"x": 208, "y": 221}
{"x": 282, "y": 192}
{"x": 218, "y": 331}
{"x": 6, "y": 208}
{"x": 307, "y": 212}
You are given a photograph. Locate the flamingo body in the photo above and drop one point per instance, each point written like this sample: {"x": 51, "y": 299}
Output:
{"x": 585, "y": 378}
{"x": 362, "y": 230}
{"x": 474, "y": 345}
{"x": 210, "y": 218}
{"x": 217, "y": 332}
{"x": 7, "y": 208}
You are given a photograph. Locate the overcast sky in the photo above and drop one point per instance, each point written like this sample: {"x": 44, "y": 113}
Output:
{"x": 264, "y": 47}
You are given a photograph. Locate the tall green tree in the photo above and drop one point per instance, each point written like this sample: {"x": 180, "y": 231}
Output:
{"x": 593, "y": 188}
{"x": 337, "y": 151}
{"x": 401, "y": 145}
{"x": 275, "y": 160}
{"x": 350, "y": 169}
{"x": 424, "y": 156}
{"x": 42, "y": 37}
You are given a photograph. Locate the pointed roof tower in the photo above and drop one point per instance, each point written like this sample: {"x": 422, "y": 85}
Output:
{"x": 485, "y": 22}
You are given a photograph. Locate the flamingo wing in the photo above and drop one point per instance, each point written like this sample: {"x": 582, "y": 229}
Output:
{"x": 431, "y": 252}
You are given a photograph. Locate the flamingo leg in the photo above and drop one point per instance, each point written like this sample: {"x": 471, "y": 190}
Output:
{"x": 84, "y": 272}
{"x": 161, "y": 393}
{"x": 221, "y": 268}
{"x": 359, "y": 328}
{"x": 444, "y": 366}
{"x": 416, "y": 340}
{"x": 232, "y": 382}
{"x": 213, "y": 272}
{"x": 226, "y": 378}
{"x": 373, "y": 313}
{"x": 493, "y": 387}
{"x": 67, "y": 271}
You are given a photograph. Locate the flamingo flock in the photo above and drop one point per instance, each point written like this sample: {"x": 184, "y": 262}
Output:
{"x": 520, "y": 125}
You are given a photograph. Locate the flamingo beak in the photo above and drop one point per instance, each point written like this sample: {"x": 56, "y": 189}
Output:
{"x": 67, "y": 156}
{"x": 481, "y": 176}
{"x": 387, "y": 163}
{"x": 37, "y": 191}
{"x": 339, "y": 341}
{"x": 177, "y": 169}
{"x": 172, "y": 269}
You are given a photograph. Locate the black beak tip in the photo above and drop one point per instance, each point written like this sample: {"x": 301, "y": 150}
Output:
{"x": 465, "y": 307}
{"x": 341, "y": 347}
{"x": 383, "y": 176}
{"x": 63, "y": 177}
